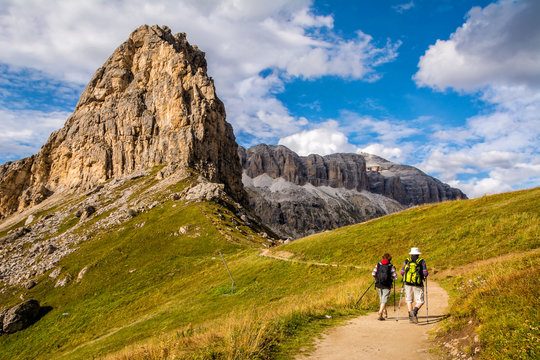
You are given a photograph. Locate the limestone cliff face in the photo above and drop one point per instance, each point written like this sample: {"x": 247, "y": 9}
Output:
{"x": 301, "y": 195}
{"x": 151, "y": 103}
{"x": 405, "y": 184}
{"x": 337, "y": 170}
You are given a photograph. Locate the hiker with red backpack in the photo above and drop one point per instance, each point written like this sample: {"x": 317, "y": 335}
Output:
{"x": 384, "y": 274}
{"x": 414, "y": 271}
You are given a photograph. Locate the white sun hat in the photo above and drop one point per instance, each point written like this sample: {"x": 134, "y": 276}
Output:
{"x": 415, "y": 251}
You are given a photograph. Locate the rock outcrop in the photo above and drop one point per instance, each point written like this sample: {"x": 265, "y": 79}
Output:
{"x": 300, "y": 195}
{"x": 294, "y": 211}
{"x": 151, "y": 103}
{"x": 406, "y": 184}
{"x": 20, "y": 316}
{"x": 337, "y": 170}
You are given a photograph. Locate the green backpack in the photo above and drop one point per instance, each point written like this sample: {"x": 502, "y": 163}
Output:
{"x": 413, "y": 271}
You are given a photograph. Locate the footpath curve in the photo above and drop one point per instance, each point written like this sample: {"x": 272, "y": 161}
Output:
{"x": 366, "y": 338}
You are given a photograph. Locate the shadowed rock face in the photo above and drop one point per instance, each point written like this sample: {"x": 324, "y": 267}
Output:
{"x": 337, "y": 170}
{"x": 301, "y": 195}
{"x": 405, "y": 184}
{"x": 151, "y": 103}
{"x": 20, "y": 316}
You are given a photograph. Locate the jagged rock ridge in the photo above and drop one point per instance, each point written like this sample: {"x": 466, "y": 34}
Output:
{"x": 300, "y": 195}
{"x": 151, "y": 103}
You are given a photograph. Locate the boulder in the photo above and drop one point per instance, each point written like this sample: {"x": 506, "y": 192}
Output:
{"x": 205, "y": 191}
{"x": 86, "y": 212}
{"x": 21, "y": 316}
{"x": 17, "y": 233}
{"x": 29, "y": 284}
{"x": 63, "y": 281}
{"x": 29, "y": 220}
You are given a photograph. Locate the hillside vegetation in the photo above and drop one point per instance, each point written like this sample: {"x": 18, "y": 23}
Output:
{"x": 148, "y": 294}
{"x": 485, "y": 252}
{"x": 156, "y": 287}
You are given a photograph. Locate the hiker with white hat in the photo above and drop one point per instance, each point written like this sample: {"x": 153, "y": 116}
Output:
{"x": 414, "y": 271}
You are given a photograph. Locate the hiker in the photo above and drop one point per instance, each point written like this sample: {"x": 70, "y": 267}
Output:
{"x": 384, "y": 274}
{"x": 414, "y": 271}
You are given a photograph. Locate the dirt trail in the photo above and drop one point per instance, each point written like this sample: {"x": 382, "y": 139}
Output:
{"x": 366, "y": 338}
{"x": 286, "y": 256}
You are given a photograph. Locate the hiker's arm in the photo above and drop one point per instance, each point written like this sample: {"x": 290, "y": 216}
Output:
{"x": 394, "y": 275}
{"x": 424, "y": 269}
{"x": 403, "y": 268}
{"x": 374, "y": 272}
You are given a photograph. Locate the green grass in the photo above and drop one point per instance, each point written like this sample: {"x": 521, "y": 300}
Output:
{"x": 499, "y": 302}
{"x": 144, "y": 283}
{"x": 149, "y": 294}
{"x": 450, "y": 234}
{"x": 18, "y": 225}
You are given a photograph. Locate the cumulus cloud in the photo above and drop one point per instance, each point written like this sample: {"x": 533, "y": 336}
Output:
{"x": 501, "y": 144}
{"x": 243, "y": 39}
{"x": 395, "y": 154}
{"x": 495, "y": 55}
{"x": 332, "y": 137}
{"x": 327, "y": 139}
{"x": 497, "y": 45}
{"x": 527, "y": 175}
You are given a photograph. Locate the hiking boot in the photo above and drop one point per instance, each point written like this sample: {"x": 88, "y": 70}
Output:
{"x": 380, "y": 318}
{"x": 415, "y": 310}
{"x": 411, "y": 317}
{"x": 415, "y": 317}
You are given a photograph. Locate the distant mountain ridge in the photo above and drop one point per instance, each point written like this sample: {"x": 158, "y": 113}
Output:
{"x": 301, "y": 195}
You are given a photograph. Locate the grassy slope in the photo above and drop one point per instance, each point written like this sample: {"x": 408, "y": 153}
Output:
{"x": 177, "y": 304}
{"x": 144, "y": 285}
{"x": 498, "y": 300}
{"x": 450, "y": 234}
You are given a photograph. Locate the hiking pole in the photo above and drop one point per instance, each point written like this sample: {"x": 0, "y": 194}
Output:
{"x": 222, "y": 258}
{"x": 365, "y": 292}
{"x": 394, "y": 281}
{"x": 427, "y": 304}
{"x": 399, "y": 306}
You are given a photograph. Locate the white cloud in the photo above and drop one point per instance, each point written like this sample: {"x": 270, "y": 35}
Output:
{"x": 330, "y": 138}
{"x": 495, "y": 55}
{"x": 324, "y": 140}
{"x": 400, "y": 8}
{"x": 480, "y": 187}
{"x": 395, "y": 154}
{"x": 497, "y": 45}
{"x": 23, "y": 132}
{"x": 69, "y": 40}
{"x": 384, "y": 131}
{"x": 519, "y": 176}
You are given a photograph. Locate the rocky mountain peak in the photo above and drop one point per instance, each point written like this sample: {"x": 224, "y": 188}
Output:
{"x": 151, "y": 103}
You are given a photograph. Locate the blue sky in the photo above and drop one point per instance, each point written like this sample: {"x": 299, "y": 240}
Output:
{"x": 449, "y": 86}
